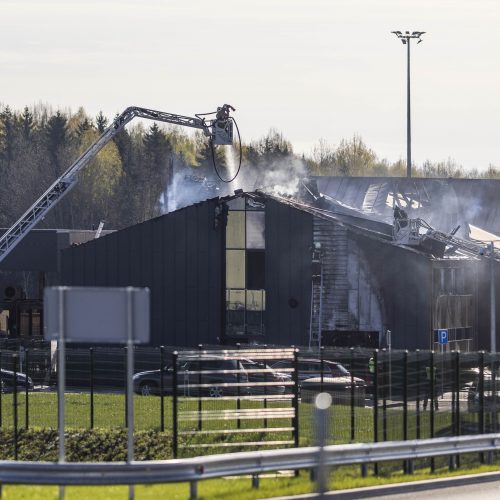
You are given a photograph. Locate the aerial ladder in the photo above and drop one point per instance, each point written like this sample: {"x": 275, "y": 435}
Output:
{"x": 219, "y": 130}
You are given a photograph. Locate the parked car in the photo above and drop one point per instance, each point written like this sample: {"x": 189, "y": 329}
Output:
{"x": 491, "y": 393}
{"x": 336, "y": 380}
{"x": 7, "y": 381}
{"x": 216, "y": 376}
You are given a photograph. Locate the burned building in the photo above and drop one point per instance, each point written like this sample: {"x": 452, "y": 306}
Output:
{"x": 24, "y": 273}
{"x": 260, "y": 268}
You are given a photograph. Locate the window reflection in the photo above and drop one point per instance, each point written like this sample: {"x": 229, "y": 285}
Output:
{"x": 245, "y": 268}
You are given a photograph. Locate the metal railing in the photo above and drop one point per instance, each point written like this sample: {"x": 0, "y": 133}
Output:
{"x": 242, "y": 463}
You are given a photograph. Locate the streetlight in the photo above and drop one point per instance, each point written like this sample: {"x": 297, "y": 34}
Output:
{"x": 406, "y": 38}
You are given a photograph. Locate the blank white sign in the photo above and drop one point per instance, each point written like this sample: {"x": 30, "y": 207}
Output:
{"x": 97, "y": 315}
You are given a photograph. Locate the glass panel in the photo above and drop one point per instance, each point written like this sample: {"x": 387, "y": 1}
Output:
{"x": 255, "y": 230}
{"x": 235, "y": 230}
{"x": 256, "y": 275}
{"x": 235, "y": 312}
{"x": 255, "y": 300}
{"x": 235, "y": 268}
{"x": 235, "y": 299}
{"x": 237, "y": 204}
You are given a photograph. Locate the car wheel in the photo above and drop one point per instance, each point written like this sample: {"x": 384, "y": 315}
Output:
{"x": 147, "y": 388}
{"x": 215, "y": 391}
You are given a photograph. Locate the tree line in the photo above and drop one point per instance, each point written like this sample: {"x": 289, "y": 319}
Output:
{"x": 124, "y": 184}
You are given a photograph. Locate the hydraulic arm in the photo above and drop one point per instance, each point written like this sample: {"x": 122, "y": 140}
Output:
{"x": 219, "y": 130}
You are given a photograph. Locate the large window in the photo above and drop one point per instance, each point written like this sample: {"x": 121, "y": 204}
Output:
{"x": 245, "y": 268}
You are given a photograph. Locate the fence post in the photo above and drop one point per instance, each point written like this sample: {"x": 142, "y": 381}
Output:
{"x": 91, "y": 362}
{"x": 162, "y": 389}
{"x": 125, "y": 350}
{"x": 417, "y": 403}
{"x": 385, "y": 379}
{"x": 1, "y": 391}
{"x": 432, "y": 382}
{"x": 14, "y": 402}
{"x": 175, "y": 436}
{"x": 457, "y": 416}
{"x": 375, "y": 404}
{"x": 494, "y": 389}
{"x": 193, "y": 490}
{"x": 407, "y": 463}
{"x": 481, "y": 393}
{"x": 296, "y": 397}
{"x": 481, "y": 399}
{"x": 353, "y": 416}
{"x": 322, "y": 366}
{"x": 26, "y": 413}
{"x": 238, "y": 391}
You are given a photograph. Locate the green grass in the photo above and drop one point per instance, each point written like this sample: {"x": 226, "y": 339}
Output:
{"x": 109, "y": 442}
{"x": 109, "y": 413}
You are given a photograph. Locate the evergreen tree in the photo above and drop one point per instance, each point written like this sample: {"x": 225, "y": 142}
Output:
{"x": 27, "y": 124}
{"x": 7, "y": 132}
{"x": 56, "y": 138}
{"x": 155, "y": 179}
{"x": 101, "y": 122}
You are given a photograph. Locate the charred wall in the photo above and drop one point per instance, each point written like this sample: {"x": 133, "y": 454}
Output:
{"x": 404, "y": 278}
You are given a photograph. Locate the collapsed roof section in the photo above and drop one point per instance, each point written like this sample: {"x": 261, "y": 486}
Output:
{"x": 443, "y": 203}
{"x": 446, "y": 215}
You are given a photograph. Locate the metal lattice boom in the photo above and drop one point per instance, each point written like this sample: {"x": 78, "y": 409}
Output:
{"x": 69, "y": 178}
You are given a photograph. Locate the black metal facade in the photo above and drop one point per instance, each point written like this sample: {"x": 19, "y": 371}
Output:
{"x": 177, "y": 256}
{"x": 289, "y": 239}
{"x": 181, "y": 258}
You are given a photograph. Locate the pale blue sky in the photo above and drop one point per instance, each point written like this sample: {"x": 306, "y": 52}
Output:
{"x": 310, "y": 68}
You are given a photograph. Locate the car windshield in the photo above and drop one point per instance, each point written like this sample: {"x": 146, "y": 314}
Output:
{"x": 338, "y": 370}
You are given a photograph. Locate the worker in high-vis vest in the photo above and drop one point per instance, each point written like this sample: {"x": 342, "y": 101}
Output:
{"x": 371, "y": 366}
{"x": 371, "y": 374}
{"x": 428, "y": 387}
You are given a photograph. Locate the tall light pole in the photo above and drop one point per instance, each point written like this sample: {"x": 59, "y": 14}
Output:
{"x": 406, "y": 38}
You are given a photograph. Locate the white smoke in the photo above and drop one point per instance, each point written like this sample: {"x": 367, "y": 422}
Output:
{"x": 189, "y": 185}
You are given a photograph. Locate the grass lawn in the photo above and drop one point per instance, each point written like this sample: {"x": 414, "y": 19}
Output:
{"x": 109, "y": 412}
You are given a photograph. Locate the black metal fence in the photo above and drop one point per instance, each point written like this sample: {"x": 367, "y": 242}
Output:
{"x": 211, "y": 399}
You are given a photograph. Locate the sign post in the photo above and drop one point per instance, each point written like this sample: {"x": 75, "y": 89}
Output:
{"x": 96, "y": 315}
{"x": 443, "y": 336}
{"x": 443, "y": 340}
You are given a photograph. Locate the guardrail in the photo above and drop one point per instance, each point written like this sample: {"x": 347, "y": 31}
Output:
{"x": 254, "y": 462}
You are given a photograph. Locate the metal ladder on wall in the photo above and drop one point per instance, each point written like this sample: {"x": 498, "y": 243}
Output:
{"x": 315, "y": 322}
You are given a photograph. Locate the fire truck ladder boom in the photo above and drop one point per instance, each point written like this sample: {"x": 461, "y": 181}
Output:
{"x": 68, "y": 179}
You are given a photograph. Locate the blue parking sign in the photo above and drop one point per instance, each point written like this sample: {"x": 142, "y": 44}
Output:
{"x": 443, "y": 336}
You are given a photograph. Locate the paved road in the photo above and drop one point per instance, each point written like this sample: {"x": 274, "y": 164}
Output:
{"x": 486, "y": 491}
{"x": 470, "y": 487}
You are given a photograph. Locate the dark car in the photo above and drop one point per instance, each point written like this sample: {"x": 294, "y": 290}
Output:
{"x": 7, "y": 381}
{"x": 336, "y": 380}
{"x": 215, "y": 377}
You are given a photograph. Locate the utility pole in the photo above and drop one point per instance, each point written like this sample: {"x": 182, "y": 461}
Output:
{"x": 405, "y": 39}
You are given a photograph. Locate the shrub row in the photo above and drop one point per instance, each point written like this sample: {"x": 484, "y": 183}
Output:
{"x": 105, "y": 445}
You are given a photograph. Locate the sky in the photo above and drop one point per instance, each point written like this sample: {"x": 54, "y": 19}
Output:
{"x": 312, "y": 69}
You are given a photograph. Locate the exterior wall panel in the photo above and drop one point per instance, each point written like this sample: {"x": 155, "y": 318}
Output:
{"x": 178, "y": 256}
{"x": 288, "y": 274}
